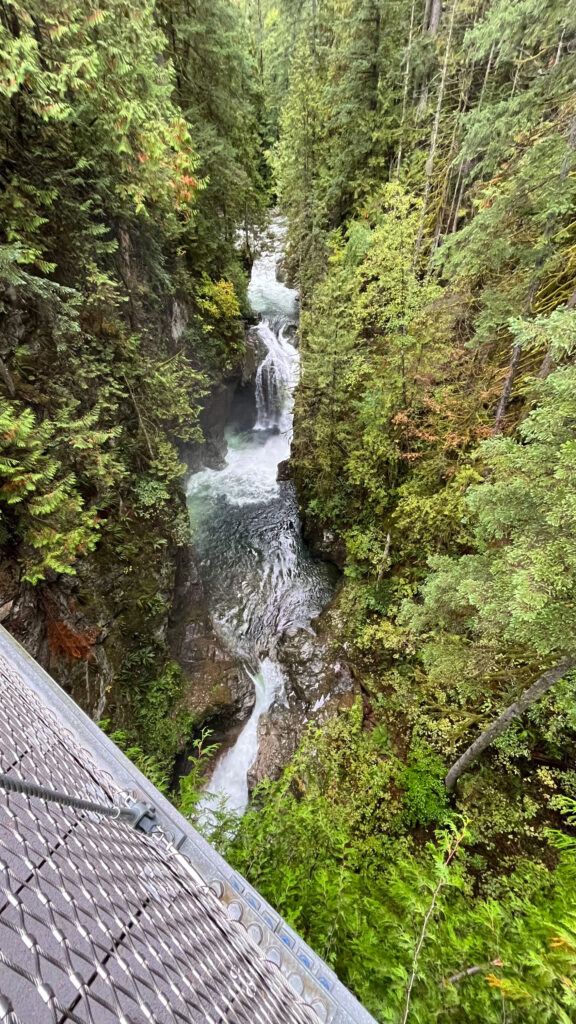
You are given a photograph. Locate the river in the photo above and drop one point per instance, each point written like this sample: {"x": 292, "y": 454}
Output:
{"x": 260, "y": 580}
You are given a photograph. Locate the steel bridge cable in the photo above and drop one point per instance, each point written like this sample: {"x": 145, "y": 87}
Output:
{"x": 139, "y": 815}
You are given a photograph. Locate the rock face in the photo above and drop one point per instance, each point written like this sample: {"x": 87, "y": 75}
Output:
{"x": 20, "y": 611}
{"x": 313, "y": 669}
{"x": 284, "y": 471}
{"x": 323, "y": 543}
{"x": 212, "y": 453}
{"x": 232, "y": 400}
{"x": 51, "y": 624}
{"x": 319, "y": 684}
{"x": 51, "y": 621}
{"x": 281, "y": 273}
{"x": 285, "y": 272}
{"x": 217, "y": 687}
{"x": 291, "y": 332}
{"x": 279, "y": 731}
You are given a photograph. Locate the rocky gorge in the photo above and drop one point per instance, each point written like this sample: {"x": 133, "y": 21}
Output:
{"x": 267, "y": 674}
{"x": 264, "y": 589}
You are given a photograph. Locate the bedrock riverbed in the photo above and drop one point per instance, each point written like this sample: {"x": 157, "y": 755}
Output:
{"x": 263, "y": 588}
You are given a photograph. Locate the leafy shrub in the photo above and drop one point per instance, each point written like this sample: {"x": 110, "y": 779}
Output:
{"x": 425, "y": 802}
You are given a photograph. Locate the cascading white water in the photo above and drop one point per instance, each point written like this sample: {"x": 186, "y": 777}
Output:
{"x": 276, "y": 378}
{"x": 259, "y": 578}
{"x": 230, "y": 776}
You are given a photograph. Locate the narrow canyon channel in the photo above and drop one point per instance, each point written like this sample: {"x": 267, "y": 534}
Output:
{"x": 260, "y": 580}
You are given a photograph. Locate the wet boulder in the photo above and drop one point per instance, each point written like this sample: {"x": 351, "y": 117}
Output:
{"x": 319, "y": 685}
{"x": 324, "y": 543}
{"x": 279, "y": 731}
{"x": 314, "y": 669}
{"x": 217, "y": 685}
{"x": 284, "y": 471}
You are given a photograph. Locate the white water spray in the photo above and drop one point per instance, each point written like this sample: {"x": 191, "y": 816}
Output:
{"x": 276, "y": 379}
{"x": 230, "y": 776}
{"x": 260, "y": 580}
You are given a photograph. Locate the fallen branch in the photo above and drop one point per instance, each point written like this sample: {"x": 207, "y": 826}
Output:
{"x": 471, "y": 971}
{"x": 526, "y": 699}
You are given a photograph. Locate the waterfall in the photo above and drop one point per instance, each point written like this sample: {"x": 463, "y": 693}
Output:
{"x": 276, "y": 378}
{"x": 230, "y": 776}
{"x": 259, "y": 578}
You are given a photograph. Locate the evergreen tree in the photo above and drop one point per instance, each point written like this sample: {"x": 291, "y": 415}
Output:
{"x": 126, "y": 176}
{"x": 425, "y": 163}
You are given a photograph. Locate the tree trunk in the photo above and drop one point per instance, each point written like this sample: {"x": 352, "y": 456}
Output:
{"x": 434, "y": 139}
{"x": 486, "y": 76}
{"x": 517, "y": 72}
{"x": 406, "y": 84}
{"x": 460, "y": 183}
{"x": 547, "y": 366}
{"x": 560, "y": 44}
{"x": 260, "y": 40}
{"x": 431, "y": 24}
{"x": 434, "y": 23}
{"x": 462, "y": 102}
{"x": 507, "y": 389}
{"x": 458, "y": 195}
{"x": 7, "y": 378}
{"x": 527, "y": 698}
{"x": 548, "y": 361}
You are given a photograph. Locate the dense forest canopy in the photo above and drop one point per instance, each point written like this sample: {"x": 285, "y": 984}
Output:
{"x": 130, "y": 158}
{"x": 424, "y": 157}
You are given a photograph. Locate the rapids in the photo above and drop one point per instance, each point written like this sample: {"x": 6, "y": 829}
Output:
{"x": 260, "y": 580}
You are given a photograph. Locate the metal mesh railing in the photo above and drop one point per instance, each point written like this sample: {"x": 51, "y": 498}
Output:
{"x": 100, "y": 923}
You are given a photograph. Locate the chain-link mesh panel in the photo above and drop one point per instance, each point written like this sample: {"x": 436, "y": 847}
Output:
{"x": 100, "y": 923}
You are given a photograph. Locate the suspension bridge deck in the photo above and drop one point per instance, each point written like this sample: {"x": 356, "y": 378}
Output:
{"x": 101, "y": 923}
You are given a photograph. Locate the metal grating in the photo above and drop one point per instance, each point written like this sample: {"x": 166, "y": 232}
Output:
{"x": 100, "y": 923}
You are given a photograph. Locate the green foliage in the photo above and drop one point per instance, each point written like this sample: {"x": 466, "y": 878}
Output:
{"x": 39, "y": 501}
{"x": 107, "y": 222}
{"x": 319, "y": 845}
{"x": 159, "y": 727}
{"x": 125, "y": 183}
{"x": 426, "y": 287}
{"x": 425, "y": 800}
{"x": 425, "y": 158}
{"x": 218, "y": 93}
{"x": 190, "y": 785}
{"x": 365, "y": 340}
{"x": 150, "y": 766}
{"x": 162, "y": 725}
{"x": 518, "y": 588}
